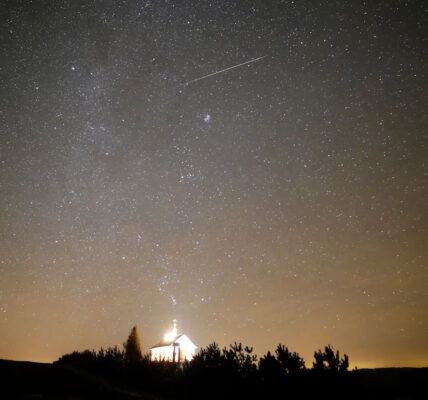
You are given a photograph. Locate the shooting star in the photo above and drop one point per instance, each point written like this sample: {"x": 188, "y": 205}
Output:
{"x": 221, "y": 71}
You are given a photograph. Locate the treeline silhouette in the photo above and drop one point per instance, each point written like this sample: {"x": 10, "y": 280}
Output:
{"x": 233, "y": 372}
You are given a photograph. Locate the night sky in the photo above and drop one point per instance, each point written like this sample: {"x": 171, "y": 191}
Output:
{"x": 281, "y": 201}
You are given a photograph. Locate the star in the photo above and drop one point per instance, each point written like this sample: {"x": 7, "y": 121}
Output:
{"x": 262, "y": 164}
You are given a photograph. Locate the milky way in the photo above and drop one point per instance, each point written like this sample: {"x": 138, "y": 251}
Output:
{"x": 281, "y": 201}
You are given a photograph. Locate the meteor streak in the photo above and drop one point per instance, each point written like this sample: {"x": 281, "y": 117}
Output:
{"x": 221, "y": 71}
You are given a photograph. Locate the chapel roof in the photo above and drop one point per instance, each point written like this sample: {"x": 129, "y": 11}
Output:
{"x": 167, "y": 342}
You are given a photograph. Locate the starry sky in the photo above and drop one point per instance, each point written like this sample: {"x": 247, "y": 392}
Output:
{"x": 281, "y": 201}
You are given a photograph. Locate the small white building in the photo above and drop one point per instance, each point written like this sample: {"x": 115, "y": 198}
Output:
{"x": 173, "y": 348}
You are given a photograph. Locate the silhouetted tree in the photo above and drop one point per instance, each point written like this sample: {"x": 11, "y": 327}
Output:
{"x": 133, "y": 348}
{"x": 112, "y": 353}
{"x": 269, "y": 367}
{"x": 327, "y": 360}
{"x": 228, "y": 372}
{"x": 86, "y": 358}
{"x": 290, "y": 362}
{"x": 241, "y": 359}
{"x": 209, "y": 357}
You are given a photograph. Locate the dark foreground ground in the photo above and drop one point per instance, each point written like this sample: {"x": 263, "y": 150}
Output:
{"x": 28, "y": 380}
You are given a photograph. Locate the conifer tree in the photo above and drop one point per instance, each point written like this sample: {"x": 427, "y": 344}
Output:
{"x": 327, "y": 360}
{"x": 133, "y": 348}
{"x": 292, "y": 363}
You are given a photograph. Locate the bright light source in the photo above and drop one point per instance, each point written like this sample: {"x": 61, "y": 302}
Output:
{"x": 171, "y": 335}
